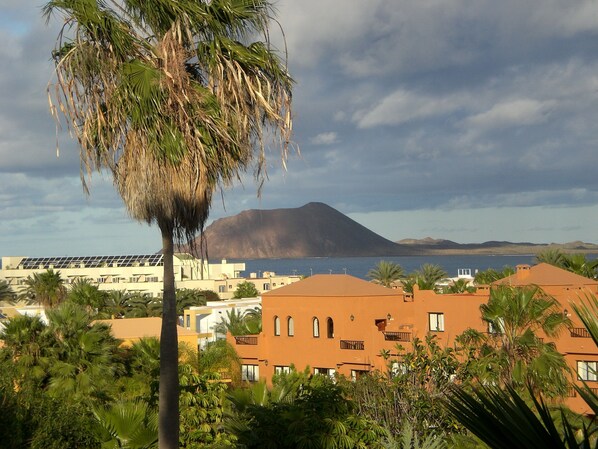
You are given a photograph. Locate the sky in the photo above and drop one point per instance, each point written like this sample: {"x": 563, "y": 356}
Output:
{"x": 457, "y": 119}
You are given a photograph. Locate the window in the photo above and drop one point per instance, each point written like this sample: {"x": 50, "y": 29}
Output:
{"x": 330, "y": 328}
{"x": 397, "y": 369}
{"x": 221, "y": 288}
{"x": 266, "y": 287}
{"x": 316, "y": 326}
{"x": 276, "y": 326}
{"x": 356, "y": 374}
{"x": 436, "y": 322}
{"x": 282, "y": 369}
{"x": 325, "y": 371}
{"x": 250, "y": 373}
{"x": 188, "y": 319}
{"x": 290, "y": 326}
{"x": 587, "y": 370}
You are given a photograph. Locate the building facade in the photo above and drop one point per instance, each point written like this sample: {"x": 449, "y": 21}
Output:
{"x": 341, "y": 324}
{"x": 140, "y": 273}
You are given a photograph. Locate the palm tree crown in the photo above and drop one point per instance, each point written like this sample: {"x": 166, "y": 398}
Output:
{"x": 386, "y": 273}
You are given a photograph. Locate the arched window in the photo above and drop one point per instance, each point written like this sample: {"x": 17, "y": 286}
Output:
{"x": 316, "y": 326}
{"x": 290, "y": 326}
{"x": 276, "y": 325}
{"x": 330, "y": 328}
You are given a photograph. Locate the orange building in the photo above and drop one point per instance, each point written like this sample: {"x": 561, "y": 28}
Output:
{"x": 576, "y": 344}
{"x": 341, "y": 324}
{"x": 131, "y": 330}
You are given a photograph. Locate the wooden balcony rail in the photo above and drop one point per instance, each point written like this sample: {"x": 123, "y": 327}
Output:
{"x": 579, "y": 332}
{"x": 353, "y": 344}
{"x": 397, "y": 336}
{"x": 246, "y": 340}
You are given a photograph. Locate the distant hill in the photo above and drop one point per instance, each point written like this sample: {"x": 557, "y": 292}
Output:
{"x": 313, "y": 230}
{"x": 430, "y": 246}
{"x": 318, "y": 230}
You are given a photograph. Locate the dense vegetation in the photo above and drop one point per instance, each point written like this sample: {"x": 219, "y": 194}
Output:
{"x": 70, "y": 384}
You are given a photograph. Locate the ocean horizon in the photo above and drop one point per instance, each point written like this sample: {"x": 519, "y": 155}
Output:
{"x": 359, "y": 266}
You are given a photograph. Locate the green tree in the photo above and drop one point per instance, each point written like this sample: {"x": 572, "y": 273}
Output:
{"x": 86, "y": 361}
{"x": 171, "y": 98}
{"x": 45, "y": 288}
{"x": 27, "y": 346}
{"x": 491, "y": 275}
{"x": 127, "y": 425}
{"x": 460, "y": 286}
{"x": 580, "y": 264}
{"x": 234, "y": 323}
{"x": 210, "y": 295}
{"x": 186, "y": 298}
{"x": 116, "y": 304}
{"x": 85, "y": 294}
{"x": 316, "y": 414}
{"x": 245, "y": 290}
{"x": 514, "y": 353}
{"x": 386, "y": 273}
{"x": 428, "y": 276}
{"x": 220, "y": 358}
{"x": 6, "y": 292}
{"x": 552, "y": 256}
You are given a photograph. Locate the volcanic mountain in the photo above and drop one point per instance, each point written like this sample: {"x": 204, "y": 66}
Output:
{"x": 313, "y": 230}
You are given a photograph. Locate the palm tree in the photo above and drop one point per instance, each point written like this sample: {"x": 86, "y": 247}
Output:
{"x": 429, "y": 275}
{"x": 552, "y": 256}
{"x": 86, "y": 361}
{"x": 503, "y": 418}
{"x": 188, "y": 297}
{"x": 46, "y": 288}
{"x": 116, "y": 304}
{"x": 579, "y": 264}
{"x": 386, "y": 273}
{"x": 491, "y": 275}
{"x": 84, "y": 293}
{"x": 27, "y": 344}
{"x": 517, "y": 315}
{"x": 130, "y": 425}
{"x": 171, "y": 97}
{"x": 460, "y": 286}
{"x": 6, "y": 292}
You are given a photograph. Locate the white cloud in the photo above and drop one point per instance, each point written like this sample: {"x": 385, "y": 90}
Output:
{"x": 403, "y": 106}
{"x": 328, "y": 138}
{"x": 518, "y": 112}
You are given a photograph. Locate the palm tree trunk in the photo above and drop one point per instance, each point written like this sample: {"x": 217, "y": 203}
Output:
{"x": 168, "y": 429}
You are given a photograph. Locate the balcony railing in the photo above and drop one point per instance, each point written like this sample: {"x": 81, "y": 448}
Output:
{"x": 397, "y": 336}
{"x": 579, "y": 332}
{"x": 353, "y": 344}
{"x": 246, "y": 340}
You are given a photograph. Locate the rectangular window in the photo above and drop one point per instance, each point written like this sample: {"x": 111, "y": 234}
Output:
{"x": 397, "y": 369}
{"x": 221, "y": 288}
{"x": 188, "y": 318}
{"x": 587, "y": 370}
{"x": 266, "y": 287}
{"x": 325, "y": 371}
{"x": 250, "y": 373}
{"x": 282, "y": 369}
{"x": 356, "y": 374}
{"x": 436, "y": 322}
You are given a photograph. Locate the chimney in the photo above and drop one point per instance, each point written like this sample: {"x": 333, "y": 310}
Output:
{"x": 522, "y": 271}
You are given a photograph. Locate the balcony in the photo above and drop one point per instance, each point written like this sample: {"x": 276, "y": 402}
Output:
{"x": 397, "y": 336}
{"x": 579, "y": 332}
{"x": 246, "y": 340}
{"x": 353, "y": 344}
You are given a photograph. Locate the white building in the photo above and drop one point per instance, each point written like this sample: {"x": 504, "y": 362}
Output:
{"x": 204, "y": 319}
{"x": 140, "y": 273}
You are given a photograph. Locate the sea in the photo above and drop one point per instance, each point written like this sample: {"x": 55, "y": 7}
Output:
{"x": 359, "y": 266}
